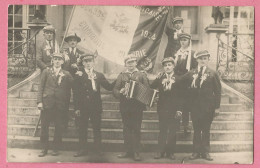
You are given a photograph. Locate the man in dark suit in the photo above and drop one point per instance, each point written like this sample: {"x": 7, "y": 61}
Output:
{"x": 88, "y": 104}
{"x": 205, "y": 94}
{"x": 46, "y": 48}
{"x": 168, "y": 108}
{"x": 131, "y": 110}
{"x": 185, "y": 61}
{"x": 53, "y": 97}
{"x": 73, "y": 53}
{"x": 173, "y": 44}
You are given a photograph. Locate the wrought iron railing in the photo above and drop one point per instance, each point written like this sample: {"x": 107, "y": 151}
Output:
{"x": 21, "y": 55}
{"x": 235, "y": 67}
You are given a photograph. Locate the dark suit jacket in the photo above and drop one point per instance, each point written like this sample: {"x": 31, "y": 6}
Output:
{"x": 180, "y": 67}
{"x": 43, "y": 60}
{"x": 85, "y": 99}
{"x": 206, "y": 99}
{"x": 51, "y": 93}
{"x": 173, "y": 45}
{"x": 73, "y": 59}
{"x": 168, "y": 100}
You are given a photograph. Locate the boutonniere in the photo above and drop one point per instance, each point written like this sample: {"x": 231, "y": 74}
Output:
{"x": 47, "y": 49}
{"x": 203, "y": 78}
{"x": 195, "y": 77}
{"x": 61, "y": 75}
{"x": 92, "y": 76}
{"x": 79, "y": 73}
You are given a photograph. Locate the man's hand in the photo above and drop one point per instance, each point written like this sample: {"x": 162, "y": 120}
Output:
{"x": 122, "y": 91}
{"x": 217, "y": 111}
{"x": 40, "y": 106}
{"x": 178, "y": 115}
{"x": 77, "y": 112}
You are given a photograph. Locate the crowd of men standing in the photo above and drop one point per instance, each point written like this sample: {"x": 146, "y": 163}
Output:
{"x": 185, "y": 85}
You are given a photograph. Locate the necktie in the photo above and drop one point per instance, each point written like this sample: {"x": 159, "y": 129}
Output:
{"x": 51, "y": 46}
{"x": 199, "y": 77}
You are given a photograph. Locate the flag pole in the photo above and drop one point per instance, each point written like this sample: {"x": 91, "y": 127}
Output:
{"x": 72, "y": 12}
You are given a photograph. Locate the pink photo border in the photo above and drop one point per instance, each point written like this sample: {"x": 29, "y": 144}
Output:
{"x": 3, "y": 77}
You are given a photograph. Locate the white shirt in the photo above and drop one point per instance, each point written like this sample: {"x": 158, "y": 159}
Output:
{"x": 74, "y": 50}
{"x": 90, "y": 72}
{"x": 50, "y": 43}
{"x": 56, "y": 70}
{"x": 203, "y": 70}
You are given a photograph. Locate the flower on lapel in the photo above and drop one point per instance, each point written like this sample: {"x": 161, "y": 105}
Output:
{"x": 61, "y": 75}
{"x": 79, "y": 73}
{"x": 203, "y": 78}
{"x": 92, "y": 76}
{"x": 193, "y": 84}
{"x": 47, "y": 49}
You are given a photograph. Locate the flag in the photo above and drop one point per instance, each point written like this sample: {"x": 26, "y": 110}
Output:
{"x": 116, "y": 31}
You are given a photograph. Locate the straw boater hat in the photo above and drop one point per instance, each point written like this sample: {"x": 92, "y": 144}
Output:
{"x": 87, "y": 57}
{"x": 49, "y": 28}
{"x": 202, "y": 53}
{"x": 72, "y": 35}
{"x": 130, "y": 57}
{"x": 177, "y": 19}
{"x": 168, "y": 59}
{"x": 59, "y": 55}
{"x": 184, "y": 35}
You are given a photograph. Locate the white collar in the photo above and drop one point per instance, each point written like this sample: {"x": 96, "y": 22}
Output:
{"x": 89, "y": 71}
{"x": 135, "y": 70}
{"x": 49, "y": 42}
{"x": 56, "y": 70}
{"x": 74, "y": 50}
{"x": 204, "y": 68}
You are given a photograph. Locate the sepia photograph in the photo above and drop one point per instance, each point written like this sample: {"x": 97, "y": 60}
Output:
{"x": 130, "y": 84}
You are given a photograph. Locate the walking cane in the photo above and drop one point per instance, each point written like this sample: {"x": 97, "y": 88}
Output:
{"x": 37, "y": 125}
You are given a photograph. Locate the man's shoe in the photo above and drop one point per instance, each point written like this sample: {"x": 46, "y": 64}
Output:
{"x": 55, "y": 153}
{"x": 125, "y": 155}
{"x": 80, "y": 153}
{"x": 137, "y": 157}
{"x": 194, "y": 156}
{"x": 171, "y": 156}
{"x": 206, "y": 156}
{"x": 158, "y": 155}
{"x": 43, "y": 153}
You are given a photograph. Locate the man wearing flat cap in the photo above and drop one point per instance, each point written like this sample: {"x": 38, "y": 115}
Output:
{"x": 169, "y": 108}
{"x": 131, "y": 110}
{"x": 53, "y": 97}
{"x": 73, "y": 53}
{"x": 173, "y": 42}
{"x": 185, "y": 61}
{"x": 87, "y": 102}
{"x": 46, "y": 48}
{"x": 205, "y": 93}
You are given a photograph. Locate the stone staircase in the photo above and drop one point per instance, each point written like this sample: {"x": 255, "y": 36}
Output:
{"x": 231, "y": 131}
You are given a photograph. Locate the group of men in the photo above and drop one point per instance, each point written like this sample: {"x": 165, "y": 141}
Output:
{"x": 186, "y": 85}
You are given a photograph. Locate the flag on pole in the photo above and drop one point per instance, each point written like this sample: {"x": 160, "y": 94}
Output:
{"x": 116, "y": 31}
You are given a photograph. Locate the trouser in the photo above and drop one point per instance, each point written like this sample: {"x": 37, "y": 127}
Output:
{"x": 168, "y": 126}
{"x": 132, "y": 120}
{"x": 201, "y": 137}
{"x": 95, "y": 118}
{"x": 48, "y": 116}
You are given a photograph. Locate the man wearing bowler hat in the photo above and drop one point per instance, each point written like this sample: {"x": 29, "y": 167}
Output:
{"x": 73, "y": 53}
{"x": 46, "y": 48}
{"x": 185, "y": 61}
{"x": 53, "y": 97}
{"x": 131, "y": 110}
{"x": 205, "y": 93}
{"x": 173, "y": 44}
{"x": 88, "y": 104}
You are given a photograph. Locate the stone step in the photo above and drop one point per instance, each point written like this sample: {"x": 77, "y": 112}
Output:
{"x": 117, "y": 134}
{"x": 33, "y": 95}
{"x": 148, "y": 115}
{"x": 146, "y": 124}
{"x": 118, "y": 146}
{"x": 108, "y": 105}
